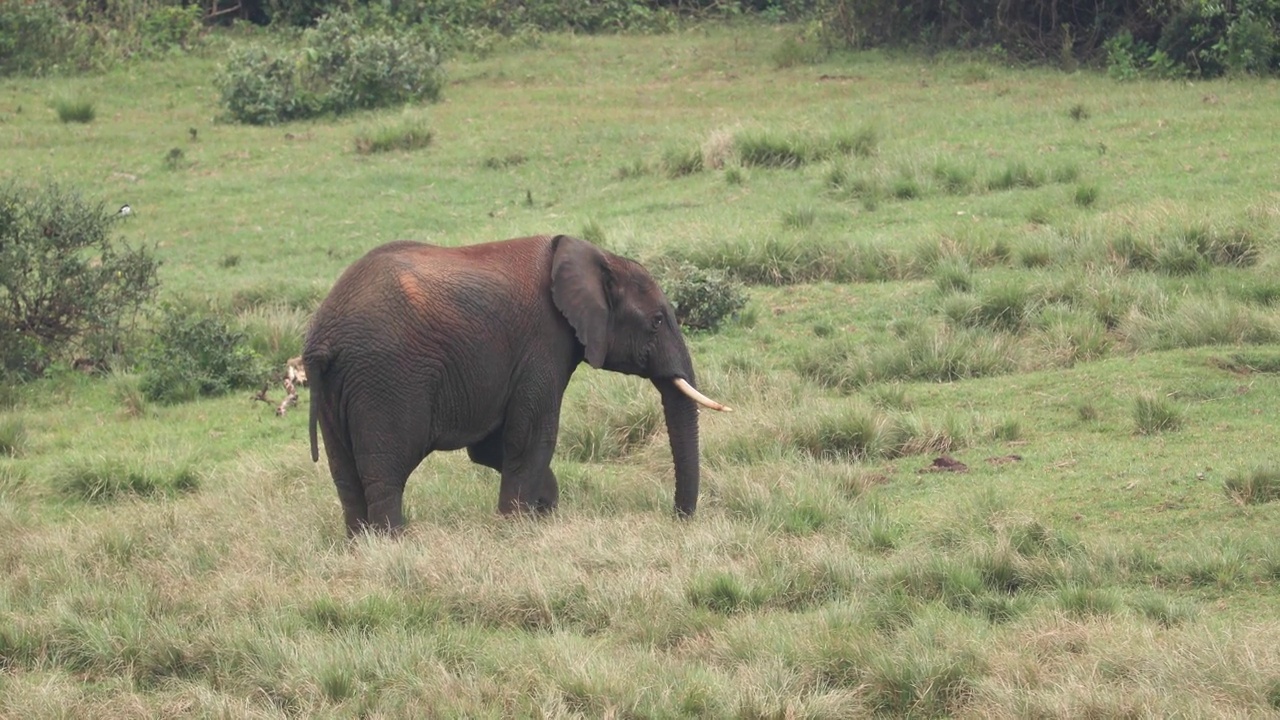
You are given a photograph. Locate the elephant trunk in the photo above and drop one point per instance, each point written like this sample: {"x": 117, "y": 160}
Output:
{"x": 681, "y": 415}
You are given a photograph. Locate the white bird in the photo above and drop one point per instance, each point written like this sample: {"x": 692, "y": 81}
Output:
{"x": 125, "y": 210}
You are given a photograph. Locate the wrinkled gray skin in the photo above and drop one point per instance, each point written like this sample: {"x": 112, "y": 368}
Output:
{"x": 420, "y": 348}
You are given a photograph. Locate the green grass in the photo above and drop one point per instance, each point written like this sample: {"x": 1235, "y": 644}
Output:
{"x": 405, "y": 135}
{"x": 1076, "y": 300}
{"x": 74, "y": 109}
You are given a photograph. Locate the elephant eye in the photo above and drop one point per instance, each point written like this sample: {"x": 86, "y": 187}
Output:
{"x": 658, "y": 320}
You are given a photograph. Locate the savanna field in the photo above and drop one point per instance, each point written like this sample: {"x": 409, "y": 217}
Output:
{"x": 1004, "y": 388}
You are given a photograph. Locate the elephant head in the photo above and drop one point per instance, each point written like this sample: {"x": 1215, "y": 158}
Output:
{"x": 625, "y": 324}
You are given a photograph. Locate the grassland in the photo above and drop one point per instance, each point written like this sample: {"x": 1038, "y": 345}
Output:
{"x": 1067, "y": 284}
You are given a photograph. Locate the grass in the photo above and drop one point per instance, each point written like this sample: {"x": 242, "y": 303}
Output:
{"x": 74, "y": 109}
{"x": 1106, "y": 374}
{"x": 405, "y": 135}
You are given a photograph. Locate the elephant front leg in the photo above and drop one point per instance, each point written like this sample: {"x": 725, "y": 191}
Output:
{"x": 528, "y": 484}
{"x": 537, "y": 492}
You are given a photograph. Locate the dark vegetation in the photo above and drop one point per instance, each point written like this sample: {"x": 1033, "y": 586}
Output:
{"x": 1183, "y": 38}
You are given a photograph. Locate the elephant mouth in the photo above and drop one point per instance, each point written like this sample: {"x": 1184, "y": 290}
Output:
{"x": 698, "y": 397}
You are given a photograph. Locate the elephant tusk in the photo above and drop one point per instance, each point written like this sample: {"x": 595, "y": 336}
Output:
{"x": 698, "y": 397}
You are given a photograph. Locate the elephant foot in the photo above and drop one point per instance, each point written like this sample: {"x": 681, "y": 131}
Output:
{"x": 538, "y": 506}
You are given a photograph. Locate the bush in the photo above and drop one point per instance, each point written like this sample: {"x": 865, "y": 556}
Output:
{"x": 341, "y": 68}
{"x": 260, "y": 88}
{"x": 197, "y": 354}
{"x": 703, "y": 299}
{"x": 64, "y": 284}
{"x": 355, "y": 68}
{"x": 35, "y": 38}
{"x": 168, "y": 27}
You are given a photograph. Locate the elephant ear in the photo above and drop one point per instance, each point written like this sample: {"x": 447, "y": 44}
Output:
{"x": 579, "y": 287}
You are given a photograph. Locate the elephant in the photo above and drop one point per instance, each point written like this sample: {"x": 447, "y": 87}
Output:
{"x": 419, "y": 348}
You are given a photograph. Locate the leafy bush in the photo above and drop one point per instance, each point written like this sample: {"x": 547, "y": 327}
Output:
{"x": 197, "y": 354}
{"x": 64, "y": 283}
{"x": 703, "y": 299}
{"x": 354, "y": 68}
{"x": 260, "y": 88}
{"x": 35, "y": 37}
{"x": 169, "y": 26}
{"x": 340, "y": 68}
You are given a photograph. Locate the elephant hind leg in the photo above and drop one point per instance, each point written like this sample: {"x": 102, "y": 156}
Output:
{"x": 384, "y": 477}
{"x": 346, "y": 479}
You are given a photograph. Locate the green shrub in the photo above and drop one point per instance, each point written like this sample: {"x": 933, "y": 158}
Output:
{"x": 260, "y": 87}
{"x": 196, "y": 354}
{"x": 1251, "y": 44}
{"x": 703, "y": 299}
{"x": 36, "y": 38}
{"x": 354, "y": 68}
{"x": 64, "y": 283}
{"x": 169, "y": 27}
{"x": 793, "y": 51}
{"x": 340, "y": 68}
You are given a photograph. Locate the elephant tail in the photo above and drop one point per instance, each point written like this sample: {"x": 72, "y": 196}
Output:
{"x": 315, "y": 446}
{"x": 316, "y": 363}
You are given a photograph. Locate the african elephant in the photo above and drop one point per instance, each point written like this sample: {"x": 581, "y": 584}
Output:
{"x": 420, "y": 348}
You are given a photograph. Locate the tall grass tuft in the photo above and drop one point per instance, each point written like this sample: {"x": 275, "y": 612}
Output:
{"x": 1259, "y": 485}
{"x": 763, "y": 149}
{"x": 128, "y": 391}
{"x": 274, "y": 331}
{"x": 104, "y": 479}
{"x": 679, "y": 162}
{"x": 1015, "y": 174}
{"x": 799, "y": 218}
{"x": 13, "y": 436}
{"x": 1153, "y": 414}
{"x": 617, "y": 419}
{"x": 1085, "y": 195}
{"x": 593, "y": 232}
{"x": 933, "y": 354}
{"x": 1197, "y": 322}
{"x": 955, "y": 178}
{"x": 852, "y": 434}
{"x": 406, "y": 135}
{"x": 724, "y": 592}
{"x": 73, "y": 110}
{"x": 861, "y": 142}
{"x": 952, "y": 276}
